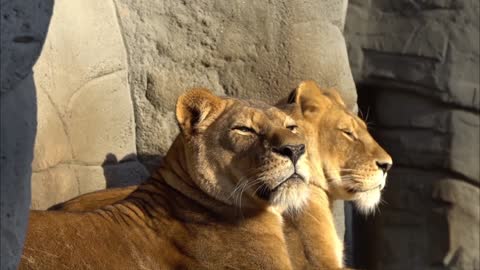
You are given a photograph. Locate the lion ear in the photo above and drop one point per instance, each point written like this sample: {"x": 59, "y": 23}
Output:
{"x": 305, "y": 95}
{"x": 197, "y": 109}
{"x": 309, "y": 96}
{"x": 334, "y": 95}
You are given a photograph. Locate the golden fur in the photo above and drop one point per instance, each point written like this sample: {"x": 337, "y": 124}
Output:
{"x": 211, "y": 205}
{"x": 346, "y": 163}
{"x": 310, "y": 233}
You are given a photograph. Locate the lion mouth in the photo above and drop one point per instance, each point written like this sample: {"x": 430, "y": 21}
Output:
{"x": 265, "y": 192}
{"x": 357, "y": 190}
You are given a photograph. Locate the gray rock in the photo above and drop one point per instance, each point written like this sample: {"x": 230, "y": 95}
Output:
{"x": 248, "y": 49}
{"x": 17, "y": 135}
{"x": 451, "y": 145}
{"x": 23, "y": 29}
{"x": 427, "y": 221}
{"x": 418, "y": 63}
{"x": 434, "y": 48}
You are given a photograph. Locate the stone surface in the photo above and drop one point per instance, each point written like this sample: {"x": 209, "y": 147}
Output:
{"x": 249, "y": 49}
{"x": 65, "y": 181}
{"x": 423, "y": 133}
{"x": 427, "y": 223}
{"x": 435, "y": 48}
{"x": 85, "y": 110}
{"x": 417, "y": 64}
{"x": 23, "y": 29}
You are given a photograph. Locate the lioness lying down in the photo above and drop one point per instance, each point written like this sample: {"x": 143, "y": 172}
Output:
{"x": 348, "y": 164}
{"x": 213, "y": 204}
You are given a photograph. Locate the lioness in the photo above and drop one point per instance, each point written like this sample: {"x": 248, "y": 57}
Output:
{"x": 211, "y": 205}
{"x": 348, "y": 164}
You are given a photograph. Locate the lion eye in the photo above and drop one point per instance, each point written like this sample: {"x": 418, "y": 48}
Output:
{"x": 245, "y": 129}
{"x": 348, "y": 133}
{"x": 293, "y": 128}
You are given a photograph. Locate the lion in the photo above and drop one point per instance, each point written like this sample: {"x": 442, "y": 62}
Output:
{"x": 214, "y": 203}
{"x": 349, "y": 165}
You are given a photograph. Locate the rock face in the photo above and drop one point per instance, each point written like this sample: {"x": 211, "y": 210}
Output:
{"x": 103, "y": 89}
{"x": 24, "y": 25}
{"x": 417, "y": 64}
{"x": 248, "y": 49}
{"x": 85, "y": 109}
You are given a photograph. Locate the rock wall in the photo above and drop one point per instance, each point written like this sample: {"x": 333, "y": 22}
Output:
{"x": 24, "y": 25}
{"x": 417, "y": 67}
{"x": 85, "y": 111}
{"x": 101, "y": 95}
{"x": 248, "y": 49}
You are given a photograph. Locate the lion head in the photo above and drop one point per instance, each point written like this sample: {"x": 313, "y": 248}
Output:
{"x": 342, "y": 151}
{"x": 243, "y": 152}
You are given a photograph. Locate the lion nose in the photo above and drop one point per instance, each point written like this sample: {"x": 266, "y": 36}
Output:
{"x": 293, "y": 152}
{"x": 384, "y": 166}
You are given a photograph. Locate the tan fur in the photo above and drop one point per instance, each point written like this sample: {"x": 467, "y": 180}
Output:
{"x": 310, "y": 233}
{"x": 211, "y": 205}
{"x": 343, "y": 167}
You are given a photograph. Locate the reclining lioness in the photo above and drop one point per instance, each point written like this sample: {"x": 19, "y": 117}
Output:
{"x": 211, "y": 205}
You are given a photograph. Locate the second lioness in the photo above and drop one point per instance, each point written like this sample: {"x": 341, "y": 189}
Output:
{"x": 211, "y": 205}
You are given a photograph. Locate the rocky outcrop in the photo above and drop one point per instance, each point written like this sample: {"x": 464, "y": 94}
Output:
{"x": 417, "y": 64}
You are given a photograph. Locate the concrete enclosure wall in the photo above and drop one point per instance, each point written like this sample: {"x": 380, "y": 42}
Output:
{"x": 97, "y": 105}
{"x": 417, "y": 67}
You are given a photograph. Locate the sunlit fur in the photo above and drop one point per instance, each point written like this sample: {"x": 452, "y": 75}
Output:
{"x": 343, "y": 159}
{"x": 310, "y": 233}
{"x": 343, "y": 153}
{"x": 232, "y": 165}
{"x": 186, "y": 216}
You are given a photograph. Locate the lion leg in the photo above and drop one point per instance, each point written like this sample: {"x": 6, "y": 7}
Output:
{"x": 315, "y": 230}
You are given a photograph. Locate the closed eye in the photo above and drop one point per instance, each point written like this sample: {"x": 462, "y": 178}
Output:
{"x": 349, "y": 134}
{"x": 293, "y": 128}
{"x": 245, "y": 129}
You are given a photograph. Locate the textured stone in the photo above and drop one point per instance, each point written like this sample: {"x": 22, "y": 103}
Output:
{"x": 427, "y": 220}
{"x": 101, "y": 121}
{"x": 249, "y": 49}
{"x": 17, "y": 135}
{"x": 23, "y": 29}
{"x": 85, "y": 111}
{"x": 429, "y": 134}
{"x": 418, "y": 63}
{"x": 65, "y": 181}
{"x": 406, "y": 110}
{"x": 434, "y": 47}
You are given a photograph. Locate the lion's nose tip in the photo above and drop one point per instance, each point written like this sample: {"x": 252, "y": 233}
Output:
{"x": 384, "y": 166}
{"x": 293, "y": 152}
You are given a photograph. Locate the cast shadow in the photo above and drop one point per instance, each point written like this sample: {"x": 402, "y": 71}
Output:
{"x": 24, "y": 26}
{"x": 130, "y": 170}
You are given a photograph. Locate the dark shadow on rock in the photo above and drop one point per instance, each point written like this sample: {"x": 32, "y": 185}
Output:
{"x": 24, "y": 26}
{"x": 129, "y": 170}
